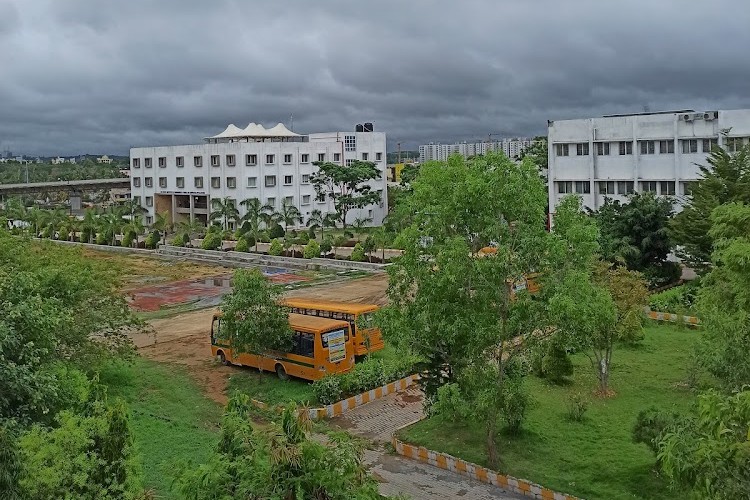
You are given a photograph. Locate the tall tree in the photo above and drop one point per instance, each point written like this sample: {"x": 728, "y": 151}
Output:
{"x": 163, "y": 224}
{"x": 289, "y": 215}
{"x": 347, "y": 185}
{"x": 191, "y": 227}
{"x": 136, "y": 227}
{"x": 315, "y": 221}
{"x": 225, "y": 211}
{"x": 537, "y": 153}
{"x": 111, "y": 223}
{"x": 89, "y": 225}
{"x": 457, "y": 308}
{"x": 254, "y": 216}
{"x": 725, "y": 179}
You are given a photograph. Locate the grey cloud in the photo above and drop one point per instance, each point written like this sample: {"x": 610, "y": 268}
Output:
{"x": 86, "y": 76}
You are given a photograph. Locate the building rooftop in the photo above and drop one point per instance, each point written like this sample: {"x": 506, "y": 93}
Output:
{"x": 651, "y": 113}
{"x": 253, "y": 131}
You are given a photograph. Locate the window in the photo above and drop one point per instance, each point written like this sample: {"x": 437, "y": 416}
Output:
{"x": 180, "y": 161}
{"x": 271, "y": 202}
{"x": 287, "y": 159}
{"x": 136, "y": 182}
{"x": 147, "y": 162}
{"x": 198, "y": 182}
{"x": 564, "y": 187}
{"x": 626, "y": 148}
{"x": 562, "y": 150}
{"x": 251, "y": 182}
{"x": 666, "y": 147}
{"x": 583, "y": 187}
{"x": 136, "y": 163}
{"x": 215, "y": 182}
{"x": 582, "y": 149}
{"x": 231, "y": 182}
{"x": 197, "y": 161}
{"x": 306, "y": 199}
{"x": 149, "y": 220}
{"x": 303, "y": 344}
{"x": 708, "y": 145}
{"x": 625, "y": 187}
{"x": 180, "y": 182}
{"x": 607, "y": 187}
{"x": 734, "y": 144}
{"x": 667, "y": 188}
{"x": 689, "y": 146}
{"x": 162, "y": 182}
{"x": 322, "y": 156}
{"x": 305, "y": 178}
{"x": 251, "y": 160}
{"x": 365, "y": 156}
{"x": 687, "y": 188}
{"x": 270, "y": 181}
{"x": 369, "y": 214}
{"x": 602, "y": 148}
{"x": 162, "y": 162}
{"x": 648, "y": 186}
{"x": 350, "y": 143}
{"x": 349, "y": 162}
{"x": 289, "y": 200}
{"x": 378, "y": 156}
{"x": 287, "y": 180}
{"x": 304, "y": 158}
{"x": 336, "y": 156}
{"x": 149, "y": 201}
{"x": 231, "y": 160}
{"x": 215, "y": 160}
{"x": 137, "y": 199}
{"x": 270, "y": 159}
{"x": 648, "y": 147}
{"x": 149, "y": 182}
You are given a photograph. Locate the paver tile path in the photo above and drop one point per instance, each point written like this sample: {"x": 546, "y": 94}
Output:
{"x": 377, "y": 421}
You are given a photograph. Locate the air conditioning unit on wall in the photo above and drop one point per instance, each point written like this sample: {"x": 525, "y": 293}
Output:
{"x": 710, "y": 115}
{"x": 687, "y": 117}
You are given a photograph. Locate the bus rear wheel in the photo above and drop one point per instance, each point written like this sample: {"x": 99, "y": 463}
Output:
{"x": 281, "y": 372}
{"x": 223, "y": 359}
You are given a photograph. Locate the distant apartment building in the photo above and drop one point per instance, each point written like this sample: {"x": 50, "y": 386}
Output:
{"x": 511, "y": 147}
{"x": 616, "y": 155}
{"x": 272, "y": 165}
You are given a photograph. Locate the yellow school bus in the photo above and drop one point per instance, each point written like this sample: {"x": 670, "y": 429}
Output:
{"x": 321, "y": 347}
{"x": 367, "y": 337}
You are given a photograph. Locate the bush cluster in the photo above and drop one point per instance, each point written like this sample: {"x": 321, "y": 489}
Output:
{"x": 212, "y": 241}
{"x": 680, "y": 299}
{"x": 365, "y": 376}
{"x": 153, "y": 239}
{"x": 242, "y": 245}
{"x": 276, "y": 247}
{"x": 312, "y": 250}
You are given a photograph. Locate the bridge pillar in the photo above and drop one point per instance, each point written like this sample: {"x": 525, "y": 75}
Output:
{"x": 75, "y": 203}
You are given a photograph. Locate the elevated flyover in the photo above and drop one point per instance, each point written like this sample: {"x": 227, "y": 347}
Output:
{"x": 71, "y": 186}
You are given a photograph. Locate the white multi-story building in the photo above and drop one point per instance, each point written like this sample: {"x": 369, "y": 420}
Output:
{"x": 271, "y": 165}
{"x": 613, "y": 156}
{"x": 511, "y": 147}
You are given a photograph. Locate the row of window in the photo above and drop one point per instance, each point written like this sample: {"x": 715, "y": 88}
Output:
{"x": 666, "y": 188}
{"x": 270, "y": 181}
{"x": 250, "y": 160}
{"x": 646, "y": 147}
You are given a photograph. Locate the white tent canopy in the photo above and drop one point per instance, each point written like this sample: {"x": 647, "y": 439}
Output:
{"x": 254, "y": 130}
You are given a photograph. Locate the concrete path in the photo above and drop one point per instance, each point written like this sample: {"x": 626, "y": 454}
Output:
{"x": 377, "y": 421}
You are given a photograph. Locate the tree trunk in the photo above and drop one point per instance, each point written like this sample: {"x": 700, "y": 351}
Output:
{"x": 492, "y": 458}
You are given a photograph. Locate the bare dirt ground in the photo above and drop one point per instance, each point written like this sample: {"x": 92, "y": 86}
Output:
{"x": 184, "y": 339}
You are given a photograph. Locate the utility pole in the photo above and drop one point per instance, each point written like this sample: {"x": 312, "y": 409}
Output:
{"x": 399, "y": 152}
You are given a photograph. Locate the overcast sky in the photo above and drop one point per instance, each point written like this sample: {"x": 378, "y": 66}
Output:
{"x": 88, "y": 76}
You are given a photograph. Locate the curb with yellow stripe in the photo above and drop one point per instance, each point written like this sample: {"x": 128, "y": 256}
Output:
{"x": 674, "y": 318}
{"x": 340, "y": 407}
{"x": 474, "y": 471}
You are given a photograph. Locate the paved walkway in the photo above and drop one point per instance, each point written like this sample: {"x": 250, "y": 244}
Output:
{"x": 398, "y": 475}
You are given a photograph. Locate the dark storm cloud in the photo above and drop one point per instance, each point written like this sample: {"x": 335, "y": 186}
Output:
{"x": 89, "y": 76}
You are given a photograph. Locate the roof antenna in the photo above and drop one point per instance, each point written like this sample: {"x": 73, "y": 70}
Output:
{"x": 291, "y": 123}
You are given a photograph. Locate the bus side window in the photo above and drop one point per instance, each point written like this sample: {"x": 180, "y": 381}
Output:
{"x": 304, "y": 344}
{"x": 215, "y": 329}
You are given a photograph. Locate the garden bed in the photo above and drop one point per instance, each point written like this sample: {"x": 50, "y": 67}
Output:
{"x": 595, "y": 458}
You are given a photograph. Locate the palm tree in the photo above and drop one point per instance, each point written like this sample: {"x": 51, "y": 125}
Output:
{"x": 330, "y": 220}
{"x": 111, "y": 224}
{"x": 359, "y": 224}
{"x": 381, "y": 239}
{"x": 131, "y": 207}
{"x": 289, "y": 215}
{"x": 163, "y": 223}
{"x": 34, "y": 216}
{"x": 191, "y": 228}
{"x": 89, "y": 225}
{"x": 15, "y": 210}
{"x": 316, "y": 221}
{"x": 254, "y": 215}
{"x": 136, "y": 225}
{"x": 224, "y": 210}
{"x": 73, "y": 226}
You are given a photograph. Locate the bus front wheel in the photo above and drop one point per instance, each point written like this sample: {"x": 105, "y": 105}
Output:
{"x": 281, "y": 372}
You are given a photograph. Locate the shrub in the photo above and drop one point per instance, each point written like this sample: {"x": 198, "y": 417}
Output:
{"x": 557, "y": 365}
{"x": 263, "y": 237}
{"x": 450, "y": 403}
{"x": 311, "y": 233}
{"x": 577, "y": 406}
{"x": 276, "y": 232}
{"x": 242, "y": 245}
{"x": 101, "y": 239}
{"x": 276, "y": 248}
{"x": 153, "y": 239}
{"x": 312, "y": 250}
{"x": 327, "y": 245}
{"x": 63, "y": 234}
{"x": 651, "y": 424}
{"x": 47, "y": 232}
{"x": 516, "y": 402}
{"x": 662, "y": 274}
{"x": 250, "y": 240}
{"x": 328, "y": 389}
{"x": 180, "y": 240}
{"x": 212, "y": 241}
{"x": 127, "y": 238}
{"x": 358, "y": 253}
{"x": 293, "y": 233}
{"x": 680, "y": 299}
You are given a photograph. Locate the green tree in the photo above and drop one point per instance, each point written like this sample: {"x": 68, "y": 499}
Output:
{"x": 312, "y": 250}
{"x": 359, "y": 224}
{"x": 347, "y": 185}
{"x": 725, "y": 179}
{"x": 338, "y": 242}
{"x": 537, "y": 153}
{"x": 289, "y": 215}
{"x": 10, "y": 465}
{"x": 316, "y": 221}
{"x": 136, "y": 227}
{"x": 456, "y": 307}
{"x": 710, "y": 453}
{"x": 254, "y": 216}
{"x": 34, "y": 216}
{"x": 163, "y": 224}
{"x": 276, "y": 248}
{"x": 724, "y": 298}
{"x": 252, "y": 318}
{"x": 89, "y": 225}
{"x": 224, "y": 210}
{"x": 358, "y": 253}
{"x": 191, "y": 228}
{"x": 110, "y": 224}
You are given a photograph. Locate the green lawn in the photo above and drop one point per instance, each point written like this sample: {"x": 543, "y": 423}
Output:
{"x": 170, "y": 418}
{"x": 269, "y": 389}
{"x": 595, "y": 458}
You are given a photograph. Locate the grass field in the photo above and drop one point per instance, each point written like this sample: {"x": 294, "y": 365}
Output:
{"x": 170, "y": 418}
{"x": 595, "y": 458}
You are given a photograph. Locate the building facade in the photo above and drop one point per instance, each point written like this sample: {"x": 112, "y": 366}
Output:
{"x": 511, "y": 147}
{"x": 613, "y": 156}
{"x": 272, "y": 165}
